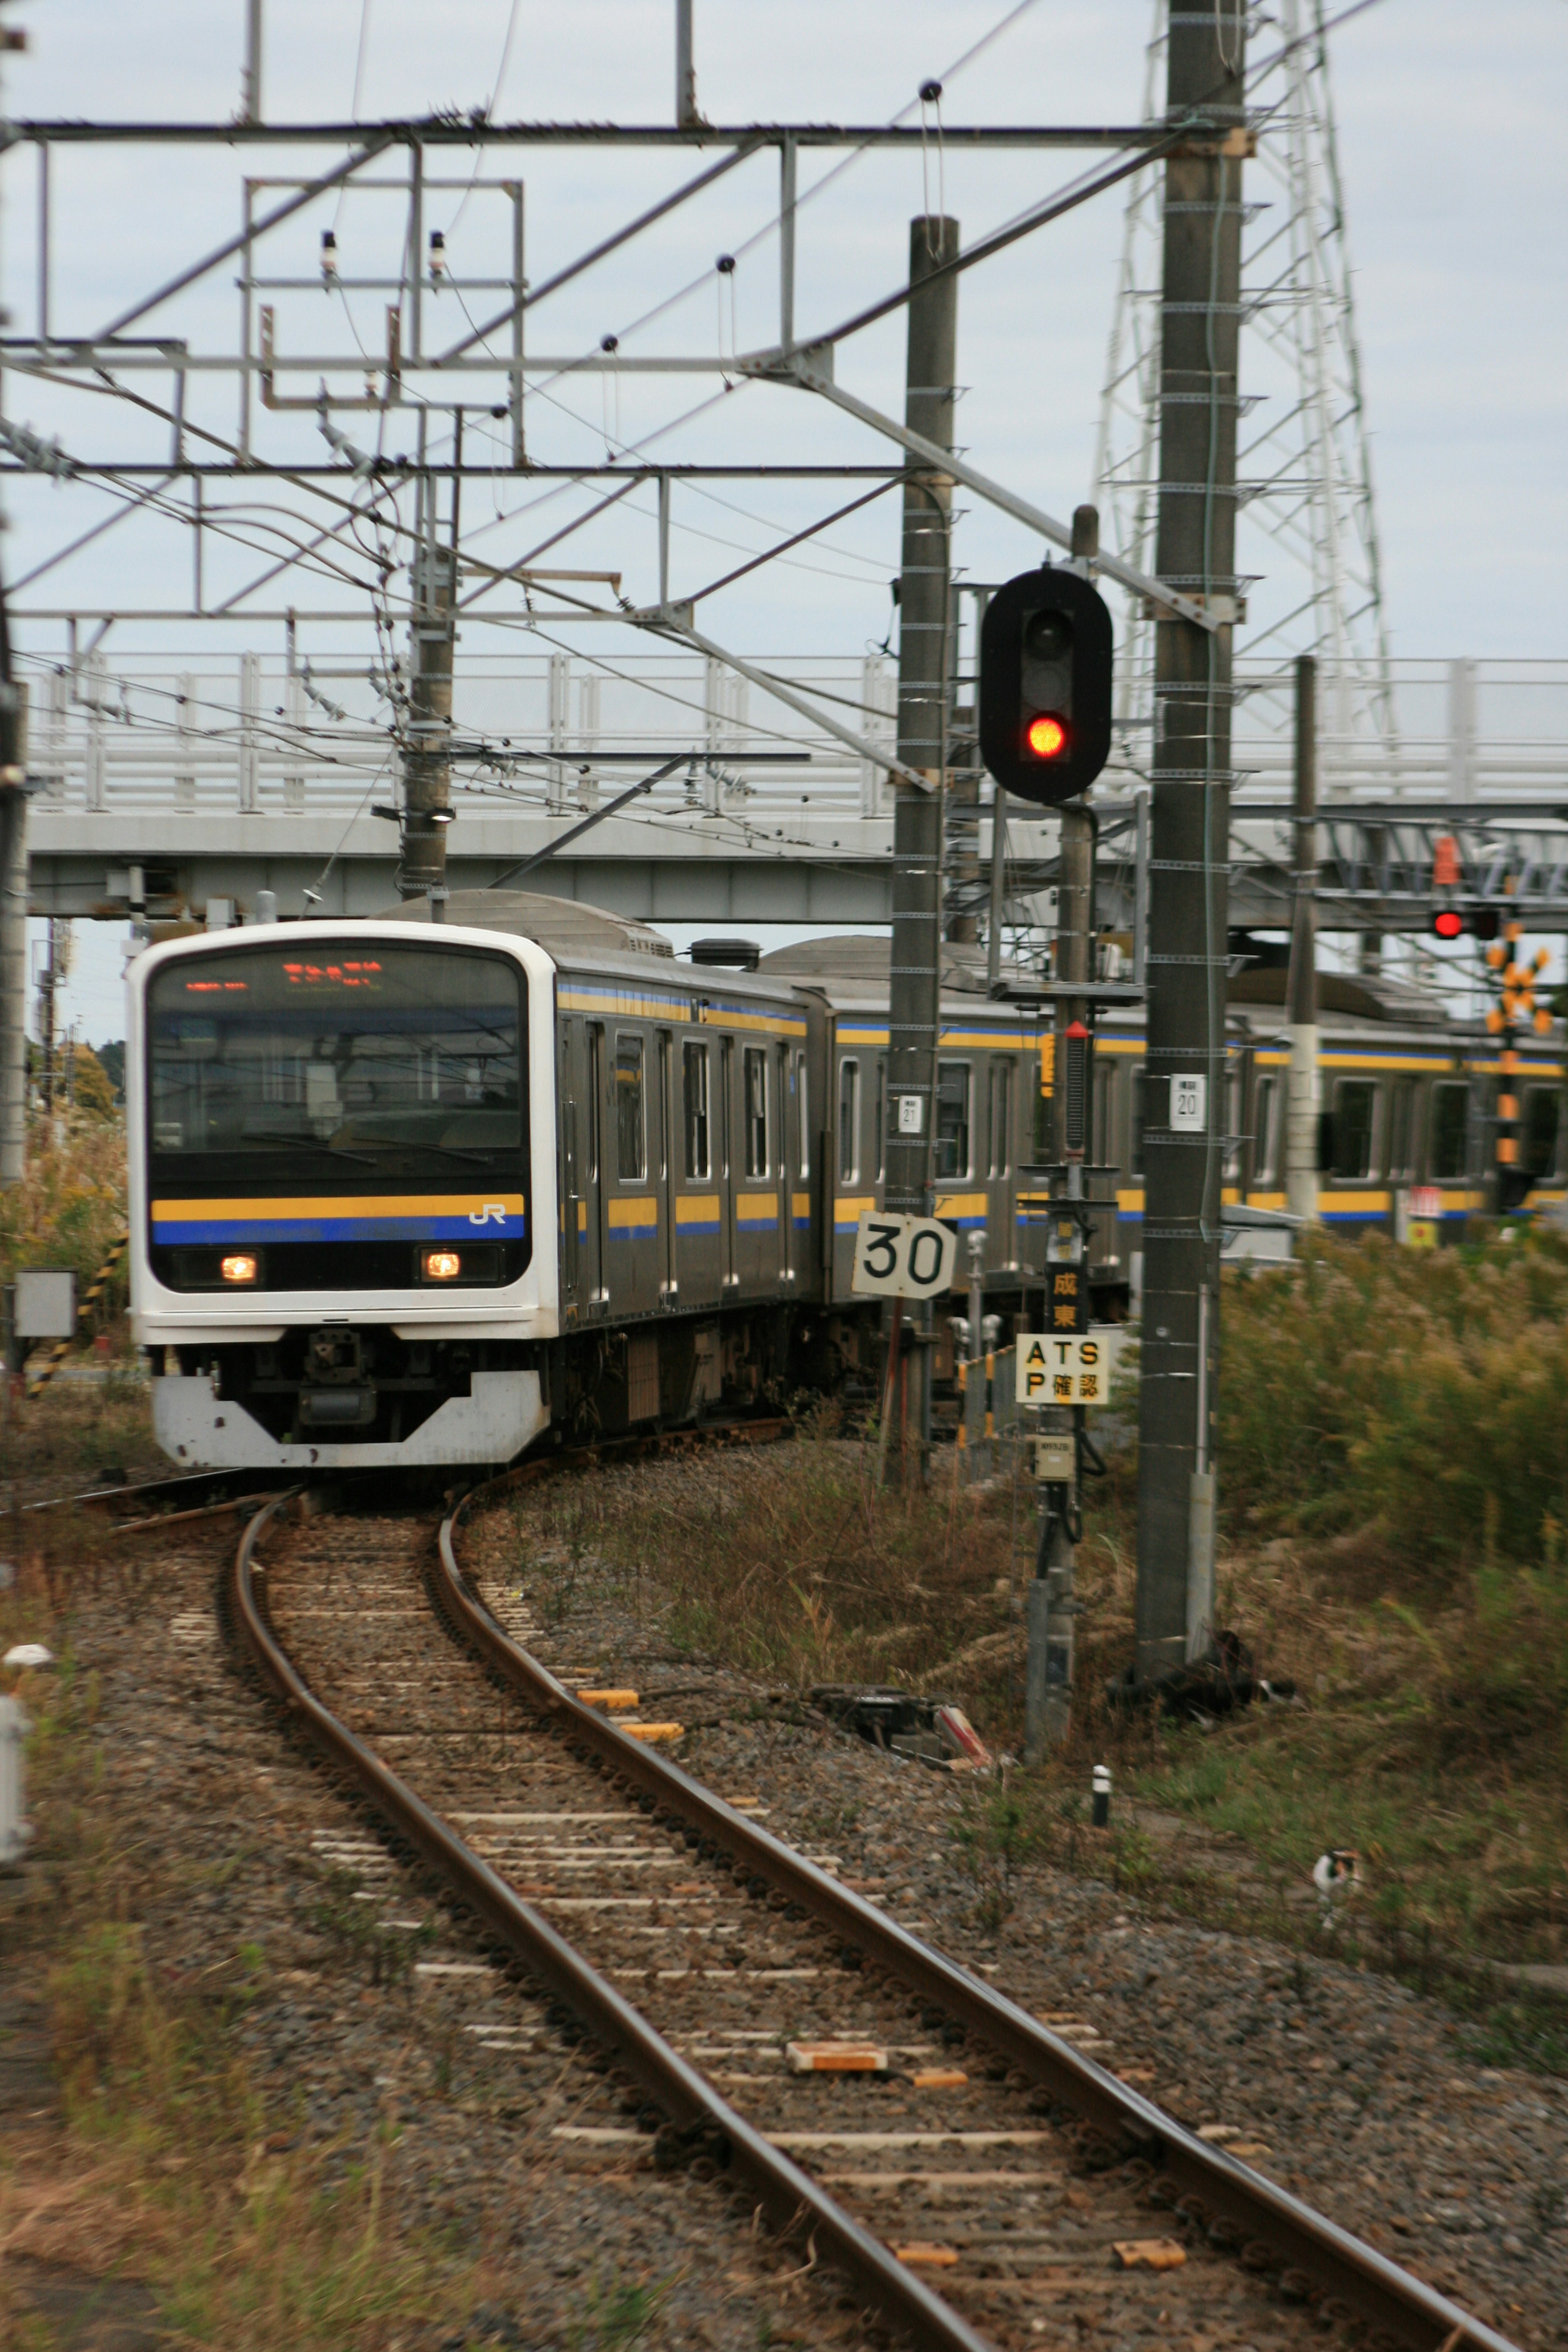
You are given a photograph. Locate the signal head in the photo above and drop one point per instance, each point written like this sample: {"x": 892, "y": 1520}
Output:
{"x": 1448, "y": 923}
{"x": 1046, "y": 685}
{"x": 1047, "y": 736}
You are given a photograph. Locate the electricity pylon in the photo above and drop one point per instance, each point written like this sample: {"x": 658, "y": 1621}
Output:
{"x": 1308, "y": 523}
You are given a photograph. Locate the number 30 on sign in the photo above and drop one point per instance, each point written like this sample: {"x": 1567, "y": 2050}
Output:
{"x": 902, "y": 1257}
{"x": 1066, "y": 1372}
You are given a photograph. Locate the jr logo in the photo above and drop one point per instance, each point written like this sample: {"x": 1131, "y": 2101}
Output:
{"x": 496, "y": 1209}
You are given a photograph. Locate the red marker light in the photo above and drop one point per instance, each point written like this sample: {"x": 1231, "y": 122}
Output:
{"x": 1448, "y": 923}
{"x": 1046, "y": 736}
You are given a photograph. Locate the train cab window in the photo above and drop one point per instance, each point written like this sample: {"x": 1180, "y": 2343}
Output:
{"x": 1267, "y": 1105}
{"x": 1355, "y": 1129}
{"x": 953, "y": 1092}
{"x": 756, "y": 1111}
{"x": 880, "y": 1138}
{"x": 849, "y": 1122}
{"x": 1402, "y": 1131}
{"x": 802, "y": 1117}
{"x": 1000, "y": 1119}
{"x": 1540, "y": 1132}
{"x": 698, "y": 1138}
{"x": 1135, "y": 1138}
{"x": 631, "y": 1118}
{"x": 1450, "y": 1131}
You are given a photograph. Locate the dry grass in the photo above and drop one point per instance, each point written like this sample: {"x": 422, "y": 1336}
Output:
{"x": 169, "y": 2168}
{"x": 793, "y": 1565}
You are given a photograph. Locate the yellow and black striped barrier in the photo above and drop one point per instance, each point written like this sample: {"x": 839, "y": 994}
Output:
{"x": 85, "y": 1306}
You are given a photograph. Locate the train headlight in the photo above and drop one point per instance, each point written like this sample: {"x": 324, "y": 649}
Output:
{"x": 239, "y": 1267}
{"x": 442, "y": 1266}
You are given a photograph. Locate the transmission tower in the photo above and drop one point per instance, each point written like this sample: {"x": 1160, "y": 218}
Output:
{"x": 1308, "y": 523}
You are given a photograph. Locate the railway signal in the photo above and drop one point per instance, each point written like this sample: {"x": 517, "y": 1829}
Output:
{"x": 1045, "y": 658}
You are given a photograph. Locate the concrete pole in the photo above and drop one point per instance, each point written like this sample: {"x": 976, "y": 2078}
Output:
{"x": 428, "y": 762}
{"x": 925, "y": 604}
{"x": 1304, "y": 1093}
{"x": 1195, "y": 551}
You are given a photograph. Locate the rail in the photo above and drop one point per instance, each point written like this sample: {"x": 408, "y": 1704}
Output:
{"x": 1274, "y": 2230}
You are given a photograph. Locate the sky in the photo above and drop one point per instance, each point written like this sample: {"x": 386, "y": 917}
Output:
{"x": 1455, "y": 174}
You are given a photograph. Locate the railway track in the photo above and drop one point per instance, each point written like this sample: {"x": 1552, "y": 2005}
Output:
{"x": 975, "y": 2179}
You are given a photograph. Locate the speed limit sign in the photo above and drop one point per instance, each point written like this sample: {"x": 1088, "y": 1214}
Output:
{"x": 902, "y": 1257}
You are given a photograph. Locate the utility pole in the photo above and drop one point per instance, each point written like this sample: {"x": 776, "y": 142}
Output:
{"x": 1196, "y": 551}
{"x": 925, "y": 604}
{"x": 1304, "y": 1094}
{"x": 427, "y": 761}
{"x": 12, "y": 918}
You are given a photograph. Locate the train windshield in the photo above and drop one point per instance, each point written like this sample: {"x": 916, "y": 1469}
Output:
{"x": 365, "y": 1060}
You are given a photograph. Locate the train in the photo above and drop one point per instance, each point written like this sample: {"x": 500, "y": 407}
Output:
{"x": 405, "y": 1195}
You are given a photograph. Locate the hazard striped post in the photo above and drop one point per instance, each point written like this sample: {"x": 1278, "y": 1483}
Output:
{"x": 85, "y": 1306}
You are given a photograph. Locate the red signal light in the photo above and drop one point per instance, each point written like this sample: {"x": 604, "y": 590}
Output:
{"x": 1046, "y": 736}
{"x": 1448, "y": 923}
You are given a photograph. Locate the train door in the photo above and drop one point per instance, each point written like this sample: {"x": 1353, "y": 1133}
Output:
{"x": 789, "y": 1149}
{"x": 632, "y": 1141}
{"x": 596, "y": 1253}
{"x": 727, "y": 1165}
{"x": 668, "y": 1145}
{"x": 698, "y": 1226}
{"x": 1002, "y": 1089}
{"x": 757, "y": 1181}
{"x": 798, "y": 1204}
{"x": 570, "y": 1182}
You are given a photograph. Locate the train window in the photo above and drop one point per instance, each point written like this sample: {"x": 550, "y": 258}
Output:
{"x": 880, "y": 1138}
{"x": 699, "y": 1142}
{"x": 1135, "y": 1138}
{"x": 1104, "y": 1115}
{"x": 1266, "y": 1132}
{"x": 953, "y": 1087}
{"x": 631, "y": 1121}
{"x": 1355, "y": 1129}
{"x": 756, "y": 1111}
{"x": 1001, "y": 1117}
{"x": 1450, "y": 1131}
{"x": 1402, "y": 1131}
{"x": 802, "y": 1117}
{"x": 849, "y": 1122}
{"x": 1538, "y": 1143}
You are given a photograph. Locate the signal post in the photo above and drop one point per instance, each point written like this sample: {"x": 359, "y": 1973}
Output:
{"x": 1044, "y": 735}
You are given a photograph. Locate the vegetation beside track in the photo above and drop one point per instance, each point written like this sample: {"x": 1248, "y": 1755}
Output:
{"x": 1394, "y": 1471}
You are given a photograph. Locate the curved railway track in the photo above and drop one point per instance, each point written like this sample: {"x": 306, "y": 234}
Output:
{"x": 1033, "y": 2196}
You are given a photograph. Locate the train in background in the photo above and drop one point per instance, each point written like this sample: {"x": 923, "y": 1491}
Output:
{"x": 405, "y": 1196}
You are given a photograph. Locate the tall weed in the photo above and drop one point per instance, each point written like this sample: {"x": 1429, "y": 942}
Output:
{"x": 1396, "y": 1390}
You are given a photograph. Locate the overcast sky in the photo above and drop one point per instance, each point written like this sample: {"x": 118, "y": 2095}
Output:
{"x": 1456, "y": 172}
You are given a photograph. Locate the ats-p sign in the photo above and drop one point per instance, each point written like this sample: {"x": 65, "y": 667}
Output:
{"x": 1075, "y": 1371}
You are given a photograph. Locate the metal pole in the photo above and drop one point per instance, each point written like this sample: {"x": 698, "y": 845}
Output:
{"x": 1304, "y": 1093}
{"x": 687, "y": 115}
{"x": 250, "y": 86}
{"x": 1189, "y": 871}
{"x": 786, "y": 241}
{"x": 924, "y": 620}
